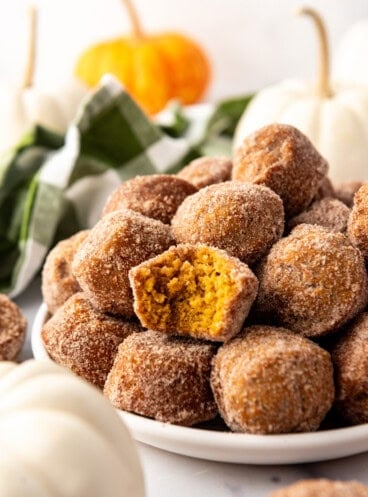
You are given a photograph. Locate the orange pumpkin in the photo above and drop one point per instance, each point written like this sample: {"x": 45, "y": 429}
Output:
{"x": 153, "y": 68}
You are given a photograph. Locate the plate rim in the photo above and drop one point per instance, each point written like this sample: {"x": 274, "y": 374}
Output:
{"x": 234, "y": 447}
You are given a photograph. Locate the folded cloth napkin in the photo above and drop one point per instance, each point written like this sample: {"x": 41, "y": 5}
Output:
{"x": 52, "y": 186}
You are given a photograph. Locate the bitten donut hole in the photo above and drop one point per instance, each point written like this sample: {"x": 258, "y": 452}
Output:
{"x": 190, "y": 291}
{"x": 189, "y": 294}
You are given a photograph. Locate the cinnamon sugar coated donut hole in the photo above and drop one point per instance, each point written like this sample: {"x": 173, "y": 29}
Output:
{"x": 58, "y": 282}
{"x": 85, "y": 340}
{"x": 193, "y": 290}
{"x": 322, "y": 488}
{"x": 283, "y": 158}
{"x": 206, "y": 171}
{"x": 270, "y": 380}
{"x": 328, "y": 212}
{"x": 165, "y": 378}
{"x": 358, "y": 221}
{"x": 325, "y": 190}
{"x": 241, "y": 218}
{"x": 13, "y": 328}
{"x": 312, "y": 281}
{"x": 119, "y": 241}
{"x": 346, "y": 191}
{"x": 350, "y": 358}
{"x": 157, "y": 196}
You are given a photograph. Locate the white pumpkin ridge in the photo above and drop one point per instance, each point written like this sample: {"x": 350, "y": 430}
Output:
{"x": 334, "y": 116}
{"x": 351, "y": 59}
{"x": 26, "y": 105}
{"x": 63, "y": 437}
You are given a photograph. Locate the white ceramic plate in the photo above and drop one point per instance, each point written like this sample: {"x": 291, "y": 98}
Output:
{"x": 233, "y": 447}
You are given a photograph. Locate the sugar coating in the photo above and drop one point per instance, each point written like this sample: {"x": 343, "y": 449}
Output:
{"x": 350, "y": 358}
{"x": 358, "y": 221}
{"x": 346, "y": 191}
{"x": 13, "y": 328}
{"x": 206, "y": 171}
{"x": 163, "y": 377}
{"x": 325, "y": 190}
{"x": 119, "y": 241}
{"x": 323, "y": 488}
{"x": 85, "y": 340}
{"x": 241, "y": 218}
{"x": 58, "y": 282}
{"x": 193, "y": 290}
{"x": 312, "y": 281}
{"x": 328, "y": 212}
{"x": 270, "y": 380}
{"x": 157, "y": 196}
{"x": 284, "y": 159}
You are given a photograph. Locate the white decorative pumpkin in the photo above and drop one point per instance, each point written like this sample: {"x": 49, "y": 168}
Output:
{"x": 22, "y": 108}
{"x": 59, "y": 437}
{"x": 25, "y": 105}
{"x": 351, "y": 58}
{"x": 335, "y": 117}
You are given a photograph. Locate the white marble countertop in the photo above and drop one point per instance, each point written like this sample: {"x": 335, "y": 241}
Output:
{"x": 169, "y": 474}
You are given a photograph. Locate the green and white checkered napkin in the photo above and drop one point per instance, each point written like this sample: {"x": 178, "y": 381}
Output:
{"x": 52, "y": 186}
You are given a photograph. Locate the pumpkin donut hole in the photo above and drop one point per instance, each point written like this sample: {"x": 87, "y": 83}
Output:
{"x": 358, "y": 221}
{"x": 313, "y": 281}
{"x": 350, "y": 358}
{"x": 284, "y": 159}
{"x": 328, "y": 212}
{"x": 346, "y": 191}
{"x": 242, "y": 218}
{"x": 323, "y": 487}
{"x": 162, "y": 377}
{"x": 58, "y": 282}
{"x": 270, "y": 380}
{"x": 118, "y": 242}
{"x": 156, "y": 196}
{"x": 206, "y": 171}
{"x": 325, "y": 190}
{"x": 84, "y": 340}
{"x": 13, "y": 328}
{"x": 193, "y": 290}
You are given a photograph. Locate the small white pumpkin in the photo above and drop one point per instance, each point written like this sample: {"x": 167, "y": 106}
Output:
{"x": 26, "y": 105}
{"x": 59, "y": 437}
{"x": 351, "y": 57}
{"x": 334, "y": 117}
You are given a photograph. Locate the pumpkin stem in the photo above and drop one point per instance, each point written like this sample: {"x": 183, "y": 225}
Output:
{"x": 31, "y": 57}
{"x": 323, "y": 81}
{"x": 134, "y": 19}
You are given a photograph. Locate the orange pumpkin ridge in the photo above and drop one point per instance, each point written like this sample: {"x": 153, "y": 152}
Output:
{"x": 153, "y": 68}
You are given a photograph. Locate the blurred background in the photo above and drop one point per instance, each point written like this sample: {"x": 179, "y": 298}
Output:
{"x": 250, "y": 43}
